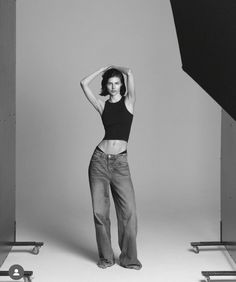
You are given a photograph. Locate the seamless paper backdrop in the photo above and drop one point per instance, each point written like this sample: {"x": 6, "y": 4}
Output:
{"x": 174, "y": 146}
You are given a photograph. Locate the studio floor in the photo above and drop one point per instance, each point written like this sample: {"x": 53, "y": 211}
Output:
{"x": 69, "y": 253}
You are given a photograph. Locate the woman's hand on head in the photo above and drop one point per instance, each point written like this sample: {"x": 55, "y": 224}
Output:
{"x": 104, "y": 69}
{"x": 125, "y": 70}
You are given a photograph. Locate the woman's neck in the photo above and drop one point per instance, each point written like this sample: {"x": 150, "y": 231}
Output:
{"x": 114, "y": 99}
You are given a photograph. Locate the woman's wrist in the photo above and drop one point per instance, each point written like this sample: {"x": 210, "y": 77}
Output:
{"x": 102, "y": 69}
{"x": 90, "y": 77}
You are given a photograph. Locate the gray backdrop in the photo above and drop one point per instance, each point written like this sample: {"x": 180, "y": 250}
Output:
{"x": 174, "y": 146}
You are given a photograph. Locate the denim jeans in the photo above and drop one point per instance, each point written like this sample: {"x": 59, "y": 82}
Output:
{"x": 111, "y": 172}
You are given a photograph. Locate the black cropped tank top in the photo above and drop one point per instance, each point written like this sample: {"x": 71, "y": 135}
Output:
{"x": 116, "y": 120}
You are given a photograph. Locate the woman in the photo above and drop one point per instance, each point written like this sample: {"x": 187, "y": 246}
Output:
{"x": 109, "y": 169}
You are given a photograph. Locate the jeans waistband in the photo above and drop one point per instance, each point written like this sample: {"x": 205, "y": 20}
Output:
{"x": 101, "y": 153}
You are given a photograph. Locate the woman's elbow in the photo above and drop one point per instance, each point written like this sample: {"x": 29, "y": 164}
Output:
{"x": 82, "y": 83}
{"x": 129, "y": 72}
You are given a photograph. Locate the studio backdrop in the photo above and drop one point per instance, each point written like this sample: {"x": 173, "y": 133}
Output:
{"x": 174, "y": 144}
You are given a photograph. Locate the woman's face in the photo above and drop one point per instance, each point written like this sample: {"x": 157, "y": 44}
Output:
{"x": 114, "y": 85}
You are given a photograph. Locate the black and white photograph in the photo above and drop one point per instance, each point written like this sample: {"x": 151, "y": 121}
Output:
{"x": 117, "y": 140}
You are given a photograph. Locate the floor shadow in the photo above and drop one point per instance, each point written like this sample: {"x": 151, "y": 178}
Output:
{"x": 68, "y": 238}
{"x": 230, "y": 260}
{"x": 81, "y": 246}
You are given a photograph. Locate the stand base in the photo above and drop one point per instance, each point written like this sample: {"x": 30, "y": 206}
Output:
{"x": 35, "y": 250}
{"x": 207, "y": 274}
{"x": 26, "y": 277}
{"x": 196, "y": 245}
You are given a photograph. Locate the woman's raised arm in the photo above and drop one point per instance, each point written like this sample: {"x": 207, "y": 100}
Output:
{"x": 84, "y": 83}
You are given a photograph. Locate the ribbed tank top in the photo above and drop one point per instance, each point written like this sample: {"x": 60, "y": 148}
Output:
{"x": 116, "y": 120}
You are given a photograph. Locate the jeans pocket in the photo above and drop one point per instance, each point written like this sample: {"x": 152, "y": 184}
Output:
{"x": 122, "y": 162}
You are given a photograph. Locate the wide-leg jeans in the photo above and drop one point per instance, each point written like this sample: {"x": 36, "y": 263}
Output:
{"x": 111, "y": 172}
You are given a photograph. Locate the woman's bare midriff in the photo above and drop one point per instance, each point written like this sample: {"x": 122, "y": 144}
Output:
{"x": 113, "y": 146}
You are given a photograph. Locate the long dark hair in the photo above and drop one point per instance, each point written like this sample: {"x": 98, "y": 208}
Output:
{"x": 108, "y": 74}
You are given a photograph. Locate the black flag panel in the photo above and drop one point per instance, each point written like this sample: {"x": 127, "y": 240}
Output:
{"x": 206, "y": 31}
